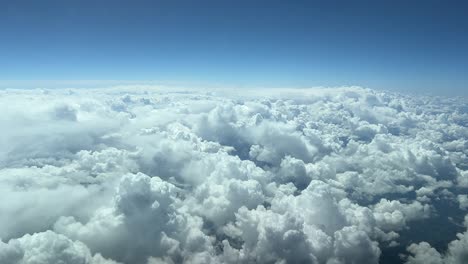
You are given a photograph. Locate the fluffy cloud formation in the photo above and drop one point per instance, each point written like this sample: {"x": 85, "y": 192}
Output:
{"x": 457, "y": 252}
{"x": 48, "y": 247}
{"x": 152, "y": 175}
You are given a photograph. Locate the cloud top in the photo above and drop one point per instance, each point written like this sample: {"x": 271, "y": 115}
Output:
{"x": 149, "y": 175}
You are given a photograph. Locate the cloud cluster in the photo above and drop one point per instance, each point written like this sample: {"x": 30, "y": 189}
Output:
{"x": 457, "y": 252}
{"x": 152, "y": 175}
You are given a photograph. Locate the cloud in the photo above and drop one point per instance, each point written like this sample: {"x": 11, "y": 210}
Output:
{"x": 48, "y": 247}
{"x": 457, "y": 251}
{"x": 150, "y": 175}
{"x": 463, "y": 201}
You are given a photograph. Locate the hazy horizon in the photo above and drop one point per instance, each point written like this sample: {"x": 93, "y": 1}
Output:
{"x": 417, "y": 46}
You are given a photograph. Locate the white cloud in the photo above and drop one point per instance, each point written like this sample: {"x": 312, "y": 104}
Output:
{"x": 48, "y": 247}
{"x": 144, "y": 174}
{"x": 463, "y": 201}
{"x": 457, "y": 252}
{"x": 392, "y": 215}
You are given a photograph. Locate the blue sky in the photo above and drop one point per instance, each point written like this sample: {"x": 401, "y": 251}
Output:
{"x": 420, "y": 46}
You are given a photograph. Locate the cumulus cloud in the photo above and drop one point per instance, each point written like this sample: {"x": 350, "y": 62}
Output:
{"x": 463, "y": 200}
{"x": 457, "y": 251}
{"x": 152, "y": 175}
{"x": 48, "y": 247}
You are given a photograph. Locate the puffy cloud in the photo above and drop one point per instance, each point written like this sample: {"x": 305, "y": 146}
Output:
{"x": 354, "y": 246}
{"x": 48, "y": 247}
{"x": 424, "y": 253}
{"x": 463, "y": 200}
{"x": 392, "y": 215}
{"x": 268, "y": 237}
{"x": 142, "y": 222}
{"x": 152, "y": 175}
{"x": 457, "y": 251}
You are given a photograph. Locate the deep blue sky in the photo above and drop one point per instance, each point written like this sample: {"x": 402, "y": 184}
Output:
{"x": 402, "y": 45}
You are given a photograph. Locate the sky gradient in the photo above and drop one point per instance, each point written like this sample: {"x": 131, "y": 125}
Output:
{"x": 419, "y": 46}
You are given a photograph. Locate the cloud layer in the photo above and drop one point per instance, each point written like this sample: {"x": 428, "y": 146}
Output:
{"x": 148, "y": 175}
